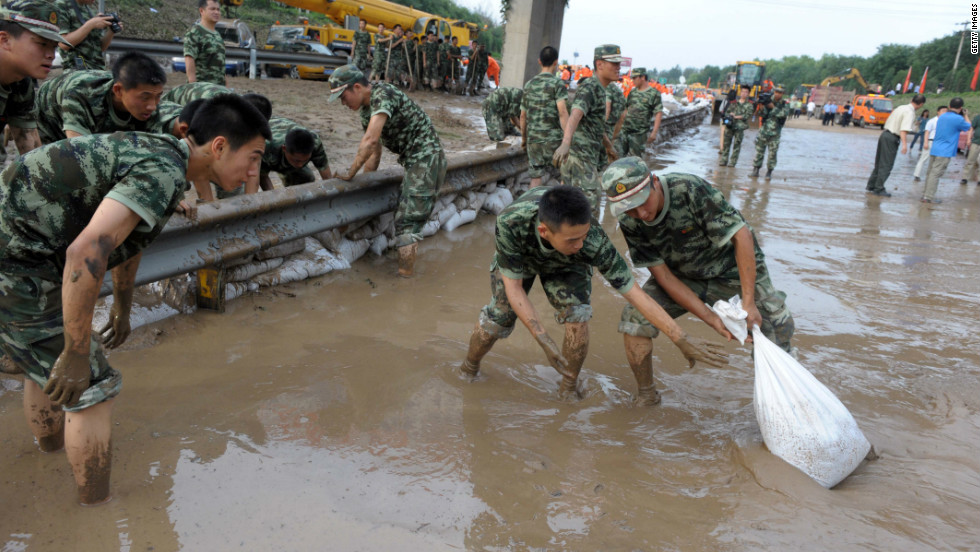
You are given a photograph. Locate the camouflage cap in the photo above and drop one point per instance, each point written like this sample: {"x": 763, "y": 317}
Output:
{"x": 638, "y": 72}
{"x": 40, "y": 18}
{"x": 609, "y": 52}
{"x": 627, "y": 184}
{"x": 342, "y": 78}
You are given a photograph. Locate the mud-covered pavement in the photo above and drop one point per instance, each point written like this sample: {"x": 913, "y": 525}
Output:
{"x": 326, "y": 415}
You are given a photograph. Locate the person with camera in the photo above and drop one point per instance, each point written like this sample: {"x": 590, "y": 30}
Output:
{"x": 774, "y": 111}
{"x": 736, "y": 120}
{"x": 88, "y": 34}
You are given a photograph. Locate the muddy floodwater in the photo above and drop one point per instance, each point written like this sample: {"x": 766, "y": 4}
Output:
{"x": 326, "y": 415}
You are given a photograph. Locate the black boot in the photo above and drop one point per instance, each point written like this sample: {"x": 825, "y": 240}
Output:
{"x": 768, "y": 174}
{"x": 755, "y": 172}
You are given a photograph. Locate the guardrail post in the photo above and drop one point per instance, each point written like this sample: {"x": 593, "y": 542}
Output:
{"x": 211, "y": 289}
{"x": 251, "y": 62}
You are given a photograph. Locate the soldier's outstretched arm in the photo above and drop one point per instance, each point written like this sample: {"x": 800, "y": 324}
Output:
{"x": 694, "y": 350}
{"x": 562, "y": 106}
{"x": 86, "y": 260}
{"x": 525, "y": 311}
{"x": 745, "y": 260}
{"x": 656, "y": 126}
{"x": 685, "y": 297}
{"x": 117, "y": 328}
{"x": 561, "y": 154}
{"x": 369, "y": 147}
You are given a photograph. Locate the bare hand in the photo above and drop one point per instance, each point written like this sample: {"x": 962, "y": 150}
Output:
{"x": 611, "y": 153}
{"x": 555, "y": 358}
{"x": 99, "y": 22}
{"x": 719, "y": 326}
{"x": 561, "y": 155}
{"x": 651, "y": 139}
{"x": 69, "y": 378}
{"x": 117, "y": 328}
{"x": 754, "y": 318}
{"x": 905, "y": 148}
{"x": 695, "y": 351}
{"x": 187, "y": 209}
{"x": 345, "y": 176}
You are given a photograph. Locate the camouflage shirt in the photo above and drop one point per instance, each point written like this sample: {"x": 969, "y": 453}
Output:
{"x": 590, "y": 98}
{"x": 641, "y": 108}
{"x": 186, "y": 93}
{"x": 408, "y": 132}
{"x": 208, "y": 51}
{"x": 614, "y": 95}
{"x": 746, "y": 110}
{"x": 50, "y": 194}
{"x": 164, "y": 117}
{"x": 431, "y": 52}
{"x": 521, "y": 253}
{"x": 17, "y": 104}
{"x": 380, "y": 48}
{"x": 362, "y": 42}
{"x": 88, "y": 53}
{"x": 274, "y": 159}
{"x": 80, "y": 101}
{"x": 540, "y": 102}
{"x": 505, "y": 102}
{"x": 773, "y": 119}
{"x": 693, "y": 233}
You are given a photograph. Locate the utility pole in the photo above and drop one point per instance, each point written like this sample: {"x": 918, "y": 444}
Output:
{"x": 956, "y": 62}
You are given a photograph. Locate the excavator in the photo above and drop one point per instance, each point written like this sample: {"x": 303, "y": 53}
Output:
{"x": 851, "y": 73}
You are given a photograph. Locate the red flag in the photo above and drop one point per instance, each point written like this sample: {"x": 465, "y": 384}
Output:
{"x": 922, "y": 87}
{"x": 905, "y": 87}
{"x": 709, "y": 81}
{"x": 976, "y": 71}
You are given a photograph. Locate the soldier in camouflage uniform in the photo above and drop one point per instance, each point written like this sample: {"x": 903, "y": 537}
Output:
{"x": 69, "y": 212}
{"x": 455, "y": 61}
{"x": 29, "y": 38}
{"x": 430, "y": 61}
{"x": 615, "y": 107}
{"x": 444, "y": 63}
{"x": 92, "y": 102}
{"x": 381, "y": 42}
{"x": 477, "y": 70}
{"x": 398, "y": 65}
{"x": 774, "y": 116}
{"x": 362, "y": 46}
{"x": 548, "y": 233}
{"x": 502, "y": 112}
{"x": 87, "y": 34}
{"x": 737, "y": 116}
{"x": 204, "y": 49}
{"x": 544, "y": 111}
{"x": 194, "y": 91}
{"x": 289, "y": 151}
{"x": 391, "y": 119}
{"x": 585, "y": 146}
{"x": 698, "y": 249}
{"x": 643, "y": 106}
{"x": 411, "y": 48}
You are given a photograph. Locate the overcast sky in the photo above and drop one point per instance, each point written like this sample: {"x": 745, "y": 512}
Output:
{"x": 695, "y": 33}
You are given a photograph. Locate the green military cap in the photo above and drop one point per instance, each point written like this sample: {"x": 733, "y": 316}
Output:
{"x": 40, "y": 18}
{"x": 609, "y": 52}
{"x": 627, "y": 184}
{"x": 638, "y": 72}
{"x": 342, "y": 78}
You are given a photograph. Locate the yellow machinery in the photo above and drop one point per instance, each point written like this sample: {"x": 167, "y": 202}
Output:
{"x": 851, "y": 73}
{"x": 751, "y": 73}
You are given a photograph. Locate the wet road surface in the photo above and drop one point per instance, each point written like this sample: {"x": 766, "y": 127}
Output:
{"x": 326, "y": 416}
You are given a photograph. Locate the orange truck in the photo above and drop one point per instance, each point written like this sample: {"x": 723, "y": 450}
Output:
{"x": 871, "y": 109}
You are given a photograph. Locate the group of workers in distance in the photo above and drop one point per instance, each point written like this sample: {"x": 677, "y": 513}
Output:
{"x": 116, "y": 162}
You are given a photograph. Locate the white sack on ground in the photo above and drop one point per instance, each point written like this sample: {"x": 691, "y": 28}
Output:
{"x": 351, "y": 250}
{"x": 801, "y": 421}
{"x": 280, "y": 250}
{"x": 246, "y": 272}
{"x": 430, "y": 228}
{"x": 379, "y": 244}
{"x": 465, "y": 216}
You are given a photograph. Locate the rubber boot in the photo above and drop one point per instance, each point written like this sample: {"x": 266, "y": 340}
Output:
{"x": 755, "y": 172}
{"x": 768, "y": 174}
{"x": 406, "y": 259}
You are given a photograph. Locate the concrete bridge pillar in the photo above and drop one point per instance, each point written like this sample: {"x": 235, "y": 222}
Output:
{"x": 531, "y": 25}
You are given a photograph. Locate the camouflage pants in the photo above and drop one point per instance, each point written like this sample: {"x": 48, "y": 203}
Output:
{"x": 380, "y": 61}
{"x": 398, "y": 66}
{"x": 32, "y": 336}
{"x": 733, "y": 142}
{"x": 762, "y": 141}
{"x": 539, "y": 157}
{"x": 569, "y": 292}
{"x": 777, "y": 321}
{"x": 360, "y": 59}
{"x": 628, "y": 144}
{"x": 432, "y": 73}
{"x": 582, "y": 174}
{"x": 419, "y": 189}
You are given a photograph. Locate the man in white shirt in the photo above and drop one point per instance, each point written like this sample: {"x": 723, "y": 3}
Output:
{"x": 897, "y": 127}
{"x": 810, "y": 108}
{"x": 927, "y": 137}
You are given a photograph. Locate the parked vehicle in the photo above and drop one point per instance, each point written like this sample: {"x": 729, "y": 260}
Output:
{"x": 871, "y": 109}
{"x": 307, "y": 72}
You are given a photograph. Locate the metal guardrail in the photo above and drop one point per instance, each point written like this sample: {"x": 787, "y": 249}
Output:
{"x": 121, "y": 45}
{"x": 231, "y": 228}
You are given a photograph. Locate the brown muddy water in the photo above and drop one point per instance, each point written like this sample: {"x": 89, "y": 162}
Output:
{"x": 326, "y": 415}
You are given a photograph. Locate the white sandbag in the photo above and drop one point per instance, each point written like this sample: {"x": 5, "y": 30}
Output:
{"x": 386, "y": 224}
{"x": 506, "y": 196}
{"x": 303, "y": 265}
{"x": 379, "y": 244}
{"x": 351, "y": 250}
{"x": 447, "y": 213}
{"x": 802, "y": 422}
{"x": 281, "y": 250}
{"x": 430, "y": 228}
{"x": 235, "y": 289}
{"x": 498, "y": 201}
{"x": 246, "y": 272}
{"x": 460, "y": 202}
{"x": 329, "y": 238}
{"x": 465, "y": 216}
{"x": 366, "y": 232}
{"x": 475, "y": 200}
{"x": 732, "y": 316}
